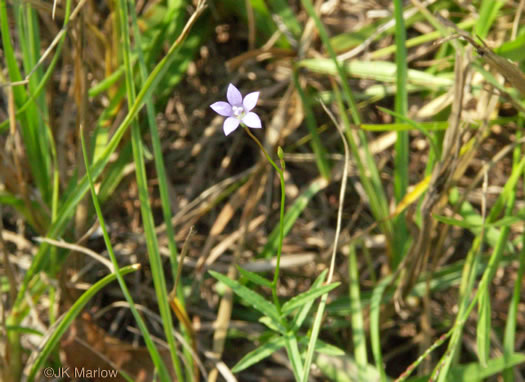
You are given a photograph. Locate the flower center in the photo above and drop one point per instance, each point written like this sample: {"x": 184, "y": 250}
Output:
{"x": 237, "y": 111}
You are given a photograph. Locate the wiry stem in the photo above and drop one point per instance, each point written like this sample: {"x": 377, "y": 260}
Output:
{"x": 281, "y": 217}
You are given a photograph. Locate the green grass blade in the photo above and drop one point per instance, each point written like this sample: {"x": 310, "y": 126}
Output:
{"x": 483, "y": 328}
{"x": 375, "y": 326}
{"x": 320, "y": 153}
{"x": 367, "y": 168}
{"x": 378, "y": 199}
{"x": 158, "y": 157}
{"x": 509, "y": 338}
{"x": 401, "y": 146}
{"x": 155, "y": 356}
{"x": 64, "y": 323}
{"x": 155, "y": 261}
{"x": 381, "y": 71}
{"x": 76, "y": 195}
{"x": 31, "y": 124}
{"x": 487, "y": 15}
{"x": 421, "y": 126}
{"x": 507, "y": 196}
{"x": 358, "y": 327}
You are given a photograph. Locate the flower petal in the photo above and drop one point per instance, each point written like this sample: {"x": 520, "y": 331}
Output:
{"x": 222, "y": 108}
{"x": 234, "y": 95}
{"x": 250, "y": 101}
{"x": 252, "y": 120}
{"x": 230, "y": 125}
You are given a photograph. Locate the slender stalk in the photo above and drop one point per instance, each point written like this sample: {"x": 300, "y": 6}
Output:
{"x": 150, "y": 345}
{"x": 281, "y": 218}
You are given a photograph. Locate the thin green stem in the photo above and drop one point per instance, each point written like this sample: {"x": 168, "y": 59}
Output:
{"x": 281, "y": 218}
{"x": 150, "y": 345}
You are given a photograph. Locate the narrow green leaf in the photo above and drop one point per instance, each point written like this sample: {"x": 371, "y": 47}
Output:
{"x": 483, "y": 329}
{"x": 306, "y": 297}
{"x": 475, "y": 372}
{"x": 382, "y": 71}
{"x": 358, "y": 327}
{"x": 323, "y": 347}
{"x": 375, "y": 326}
{"x": 270, "y": 323}
{"x": 487, "y": 15}
{"x": 423, "y": 126}
{"x": 291, "y": 216}
{"x": 321, "y": 159}
{"x": 66, "y": 320}
{"x": 260, "y": 353}
{"x": 287, "y": 16}
{"x": 301, "y": 315}
{"x": 253, "y": 298}
{"x": 254, "y": 277}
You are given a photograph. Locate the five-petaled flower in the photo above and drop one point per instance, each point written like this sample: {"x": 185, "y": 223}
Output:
{"x": 238, "y": 110}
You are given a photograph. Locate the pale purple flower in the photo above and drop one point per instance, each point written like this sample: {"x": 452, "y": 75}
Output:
{"x": 237, "y": 110}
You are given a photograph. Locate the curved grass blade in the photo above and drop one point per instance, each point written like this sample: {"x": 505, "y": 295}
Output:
{"x": 67, "y": 319}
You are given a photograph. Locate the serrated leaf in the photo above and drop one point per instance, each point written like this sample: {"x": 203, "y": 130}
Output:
{"x": 259, "y": 354}
{"x": 306, "y": 297}
{"x": 254, "y": 277}
{"x": 253, "y": 298}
